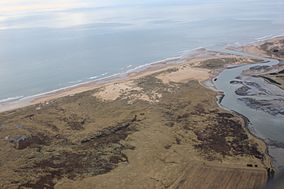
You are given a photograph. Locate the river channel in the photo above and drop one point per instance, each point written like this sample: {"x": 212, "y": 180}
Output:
{"x": 258, "y": 100}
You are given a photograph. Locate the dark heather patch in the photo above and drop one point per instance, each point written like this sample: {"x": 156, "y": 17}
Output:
{"x": 21, "y": 142}
{"x": 94, "y": 155}
{"x": 213, "y": 139}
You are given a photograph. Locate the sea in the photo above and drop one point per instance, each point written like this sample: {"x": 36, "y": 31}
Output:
{"x": 51, "y": 44}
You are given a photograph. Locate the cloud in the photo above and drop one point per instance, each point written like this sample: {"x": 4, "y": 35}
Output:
{"x": 30, "y": 6}
{"x": 19, "y": 13}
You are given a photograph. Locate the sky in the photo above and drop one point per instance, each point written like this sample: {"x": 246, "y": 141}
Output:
{"x": 23, "y": 14}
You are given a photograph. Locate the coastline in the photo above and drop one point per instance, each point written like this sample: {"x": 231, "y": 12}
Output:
{"x": 142, "y": 71}
{"x": 193, "y": 59}
{"x": 22, "y": 102}
{"x": 103, "y": 113}
{"x": 194, "y": 56}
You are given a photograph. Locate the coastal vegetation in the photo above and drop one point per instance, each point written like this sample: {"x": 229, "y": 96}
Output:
{"x": 152, "y": 131}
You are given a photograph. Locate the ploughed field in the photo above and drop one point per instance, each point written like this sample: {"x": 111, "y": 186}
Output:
{"x": 215, "y": 177}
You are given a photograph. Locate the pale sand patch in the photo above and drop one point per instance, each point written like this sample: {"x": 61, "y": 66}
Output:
{"x": 115, "y": 90}
{"x": 152, "y": 97}
{"x": 126, "y": 90}
{"x": 253, "y": 49}
{"x": 130, "y": 91}
{"x": 185, "y": 74}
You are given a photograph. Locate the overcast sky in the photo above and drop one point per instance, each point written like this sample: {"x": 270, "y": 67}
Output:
{"x": 68, "y": 13}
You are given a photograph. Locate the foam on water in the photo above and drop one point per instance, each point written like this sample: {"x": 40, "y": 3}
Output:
{"x": 11, "y": 99}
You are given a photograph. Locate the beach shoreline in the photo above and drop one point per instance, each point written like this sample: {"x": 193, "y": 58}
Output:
{"x": 75, "y": 89}
{"x": 199, "y": 54}
{"x": 196, "y": 54}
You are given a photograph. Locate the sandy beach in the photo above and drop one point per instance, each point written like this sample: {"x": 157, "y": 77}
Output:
{"x": 187, "y": 69}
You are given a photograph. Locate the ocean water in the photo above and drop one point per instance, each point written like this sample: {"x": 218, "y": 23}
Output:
{"x": 50, "y": 44}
